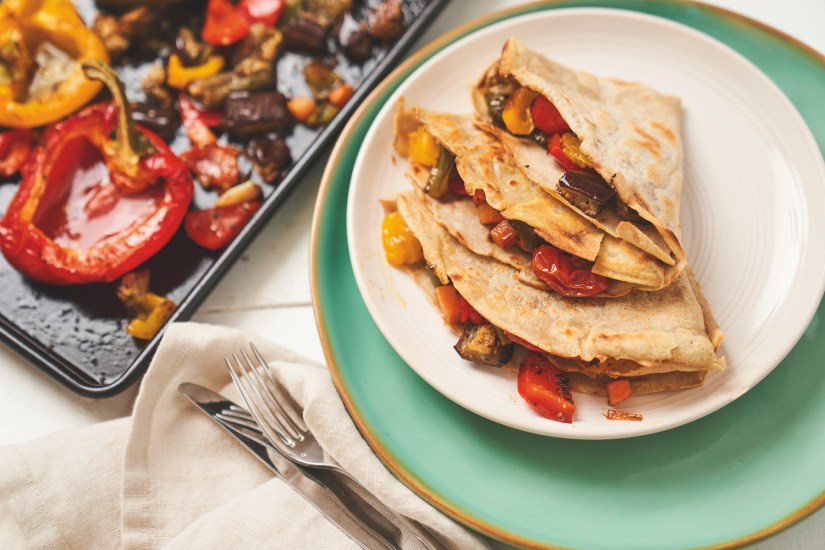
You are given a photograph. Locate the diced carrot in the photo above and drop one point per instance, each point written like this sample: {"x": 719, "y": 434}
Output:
{"x": 339, "y": 95}
{"x": 618, "y": 391}
{"x": 449, "y": 300}
{"x": 503, "y": 234}
{"x": 479, "y": 197}
{"x": 301, "y": 107}
{"x": 488, "y": 215}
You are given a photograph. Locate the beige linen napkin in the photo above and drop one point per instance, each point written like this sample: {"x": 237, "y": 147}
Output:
{"x": 167, "y": 477}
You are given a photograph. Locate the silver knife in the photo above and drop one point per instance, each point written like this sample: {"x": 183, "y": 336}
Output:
{"x": 321, "y": 488}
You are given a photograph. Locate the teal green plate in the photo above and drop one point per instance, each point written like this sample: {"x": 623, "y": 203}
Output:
{"x": 737, "y": 475}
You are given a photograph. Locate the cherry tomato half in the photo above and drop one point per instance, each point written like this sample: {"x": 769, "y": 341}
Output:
{"x": 545, "y": 388}
{"x": 546, "y": 117}
{"x": 566, "y": 274}
{"x": 213, "y": 228}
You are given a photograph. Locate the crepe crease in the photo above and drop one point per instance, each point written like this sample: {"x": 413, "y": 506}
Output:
{"x": 658, "y": 340}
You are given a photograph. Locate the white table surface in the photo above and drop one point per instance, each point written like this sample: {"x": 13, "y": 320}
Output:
{"x": 267, "y": 292}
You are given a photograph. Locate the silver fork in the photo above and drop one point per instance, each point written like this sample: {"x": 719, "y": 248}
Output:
{"x": 280, "y": 418}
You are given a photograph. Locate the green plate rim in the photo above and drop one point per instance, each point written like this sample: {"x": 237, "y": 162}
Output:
{"x": 387, "y": 86}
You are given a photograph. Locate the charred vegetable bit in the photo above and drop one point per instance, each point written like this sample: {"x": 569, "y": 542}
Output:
{"x": 613, "y": 414}
{"x": 149, "y": 311}
{"x": 118, "y": 33}
{"x": 400, "y": 245}
{"x": 320, "y": 78}
{"x": 189, "y": 50}
{"x": 262, "y": 43}
{"x": 484, "y": 344}
{"x": 250, "y": 113}
{"x": 385, "y": 22}
{"x": 306, "y": 34}
{"x": 153, "y": 84}
{"x": 353, "y": 38}
{"x": 253, "y": 72}
{"x": 162, "y": 120}
{"x": 527, "y": 238}
{"x": 587, "y": 191}
{"x": 270, "y": 156}
{"x": 539, "y": 137}
{"x": 626, "y": 212}
{"x": 440, "y": 174}
{"x": 495, "y": 105}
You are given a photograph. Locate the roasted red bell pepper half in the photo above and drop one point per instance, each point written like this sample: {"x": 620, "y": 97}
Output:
{"x": 545, "y": 388}
{"x": 91, "y": 208}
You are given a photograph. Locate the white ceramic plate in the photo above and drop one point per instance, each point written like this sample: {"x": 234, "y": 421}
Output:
{"x": 752, "y": 211}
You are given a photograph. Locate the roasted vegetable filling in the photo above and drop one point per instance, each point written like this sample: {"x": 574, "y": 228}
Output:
{"x": 525, "y": 113}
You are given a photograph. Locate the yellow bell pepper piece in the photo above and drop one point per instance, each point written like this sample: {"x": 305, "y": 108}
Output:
{"x": 150, "y": 310}
{"x": 25, "y": 26}
{"x": 400, "y": 245}
{"x": 571, "y": 145}
{"x": 422, "y": 148}
{"x": 179, "y": 75}
{"x": 516, "y": 114}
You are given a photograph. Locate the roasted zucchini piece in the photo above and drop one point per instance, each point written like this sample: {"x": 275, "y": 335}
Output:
{"x": 484, "y": 344}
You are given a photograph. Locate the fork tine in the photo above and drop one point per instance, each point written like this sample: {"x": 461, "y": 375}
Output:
{"x": 258, "y": 410}
{"x": 272, "y": 401}
{"x": 293, "y": 407}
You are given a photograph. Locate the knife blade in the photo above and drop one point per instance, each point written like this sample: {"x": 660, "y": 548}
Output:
{"x": 343, "y": 507}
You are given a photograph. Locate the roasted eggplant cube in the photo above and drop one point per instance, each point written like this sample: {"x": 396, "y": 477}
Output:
{"x": 248, "y": 114}
{"x": 305, "y": 34}
{"x": 270, "y": 155}
{"x": 353, "y": 38}
{"x": 484, "y": 344}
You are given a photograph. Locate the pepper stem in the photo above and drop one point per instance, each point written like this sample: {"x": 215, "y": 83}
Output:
{"x": 129, "y": 145}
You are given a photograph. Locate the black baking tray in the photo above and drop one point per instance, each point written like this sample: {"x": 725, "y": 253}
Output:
{"x": 76, "y": 334}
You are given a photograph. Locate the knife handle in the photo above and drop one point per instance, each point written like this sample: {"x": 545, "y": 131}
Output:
{"x": 343, "y": 507}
